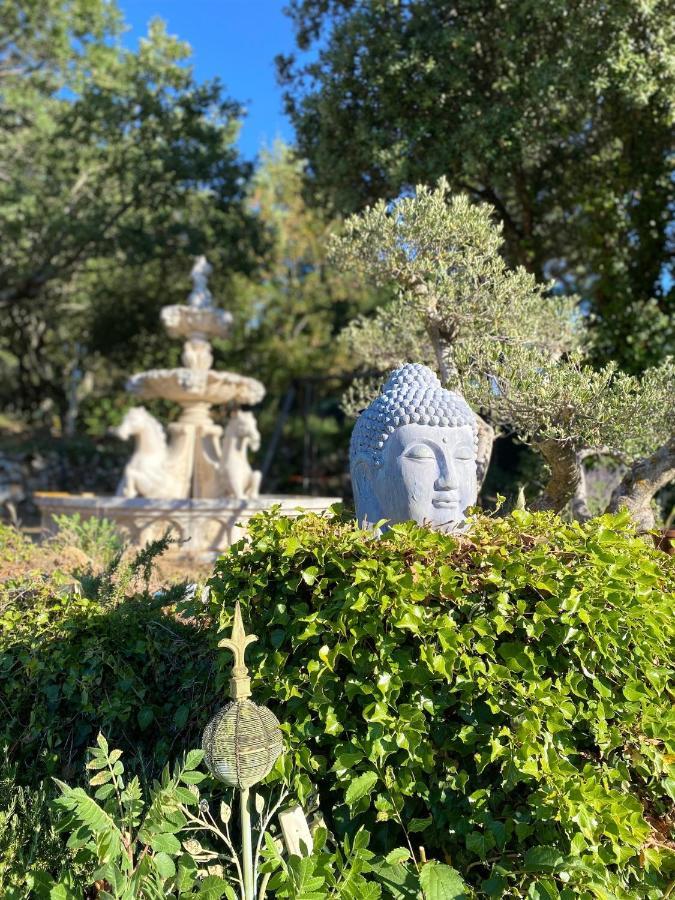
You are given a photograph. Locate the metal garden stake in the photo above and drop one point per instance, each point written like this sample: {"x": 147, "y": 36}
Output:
{"x": 242, "y": 742}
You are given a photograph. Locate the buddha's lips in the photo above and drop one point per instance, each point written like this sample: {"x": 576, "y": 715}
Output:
{"x": 444, "y": 502}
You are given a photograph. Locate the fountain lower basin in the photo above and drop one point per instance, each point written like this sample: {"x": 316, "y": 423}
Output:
{"x": 205, "y": 527}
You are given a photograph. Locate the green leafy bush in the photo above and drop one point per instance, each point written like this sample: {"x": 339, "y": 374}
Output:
{"x": 15, "y": 547}
{"x": 353, "y": 872}
{"x": 503, "y": 698}
{"x": 136, "y": 844}
{"x": 72, "y": 665}
{"x": 98, "y": 538}
{"x": 30, "y": 846}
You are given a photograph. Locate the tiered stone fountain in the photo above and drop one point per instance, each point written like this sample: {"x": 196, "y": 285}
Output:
{"x": 198, "y": 481}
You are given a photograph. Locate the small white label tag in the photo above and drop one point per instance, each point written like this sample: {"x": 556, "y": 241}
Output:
{"x": 296, "y": 832}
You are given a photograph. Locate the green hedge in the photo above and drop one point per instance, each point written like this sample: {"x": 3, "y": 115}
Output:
{"x": 505, "y": 699}
{"x": 71, "y": 667}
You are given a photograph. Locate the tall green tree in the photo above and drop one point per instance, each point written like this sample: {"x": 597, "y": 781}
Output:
{"x": 559, "y": 113}
{"x": 288, "y": 316}
{"x": 116, "y": 166}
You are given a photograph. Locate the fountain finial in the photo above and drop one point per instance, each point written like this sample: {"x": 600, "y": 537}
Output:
{"x": 200, "y": 296}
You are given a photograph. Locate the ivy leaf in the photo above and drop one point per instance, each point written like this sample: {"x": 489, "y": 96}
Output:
{"x": 634, "y": 691}
{"x": 418, "y": 825}
{"x": 441, "y": 882}
{"x": 309, "y": 575}
{"x": 360, "y": 787}
{"x": 180, "y": 717}
{"x": 399, "y": 855}
{"x": 145, "y": 717}
{"x": 480, "y": 843}
{"x": 164, "y": 865}
{"x": 546, "y": 858}
{"x": 165, "y": 843}
{"x": 543, "y": 890}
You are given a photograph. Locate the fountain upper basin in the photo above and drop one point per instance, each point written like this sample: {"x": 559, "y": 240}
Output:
{"x": 185, "y": 321}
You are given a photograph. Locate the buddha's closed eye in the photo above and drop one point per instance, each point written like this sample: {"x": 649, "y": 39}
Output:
{"x": 464, "y": 453}
{"x": 420, "y": 451}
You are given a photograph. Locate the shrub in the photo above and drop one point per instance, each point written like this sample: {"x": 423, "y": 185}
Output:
{"x": 503, "y": 698}
{"x": 72, "y": 665}
{"x": 97, "y": 538}
{"x": 143, "y": 845}
{"x": 15, "y": 547}
{"x": 30, "y": 847}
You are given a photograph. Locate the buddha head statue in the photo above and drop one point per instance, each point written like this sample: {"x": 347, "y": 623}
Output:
{"x": 413, "y": 453}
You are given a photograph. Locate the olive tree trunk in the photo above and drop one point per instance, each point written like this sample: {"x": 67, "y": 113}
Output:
{"x": 564, "y": 478}
{"x": 580, "y": 509}
{"x": 645, "y": 477}
{"x": 441, "y": 341}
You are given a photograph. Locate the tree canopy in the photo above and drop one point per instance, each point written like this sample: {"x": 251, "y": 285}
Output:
{"x": 559, "y": 115}
{"x": 115, "y": 165}
{"x": 288, "y": 316}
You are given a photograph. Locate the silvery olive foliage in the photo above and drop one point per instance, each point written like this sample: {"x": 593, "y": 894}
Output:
{"x": 512, "y": 346}
{"x": 569, "y": 401}
{"x": 443, "y": 252}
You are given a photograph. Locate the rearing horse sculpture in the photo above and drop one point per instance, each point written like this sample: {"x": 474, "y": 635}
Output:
{"x": 238, "y": 478}
{"x": 150, "y": 472}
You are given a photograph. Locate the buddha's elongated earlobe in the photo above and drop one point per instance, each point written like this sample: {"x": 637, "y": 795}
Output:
{"x": 368, "y": 510}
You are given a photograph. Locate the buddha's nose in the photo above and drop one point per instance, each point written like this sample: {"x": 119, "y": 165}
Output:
{"x": 447, "y": 477}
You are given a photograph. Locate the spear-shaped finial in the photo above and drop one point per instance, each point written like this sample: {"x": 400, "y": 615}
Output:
{"x": 240, "y": 683}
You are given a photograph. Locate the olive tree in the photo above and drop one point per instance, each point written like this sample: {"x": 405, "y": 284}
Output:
{"x": 514, "y": 348}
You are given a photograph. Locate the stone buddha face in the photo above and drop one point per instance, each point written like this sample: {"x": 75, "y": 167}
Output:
{"x": 413, "y": 453}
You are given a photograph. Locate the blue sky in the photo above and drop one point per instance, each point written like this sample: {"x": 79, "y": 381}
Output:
{"x": 236, "y": 40}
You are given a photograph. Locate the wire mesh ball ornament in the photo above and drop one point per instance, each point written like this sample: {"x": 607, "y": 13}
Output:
{"x": 241, "y": 743}
{"x": 243, "y": 740}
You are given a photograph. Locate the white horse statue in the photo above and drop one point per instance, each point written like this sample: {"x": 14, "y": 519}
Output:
{"x": 238, "y": 478}
{"x": 149, "y": 472}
